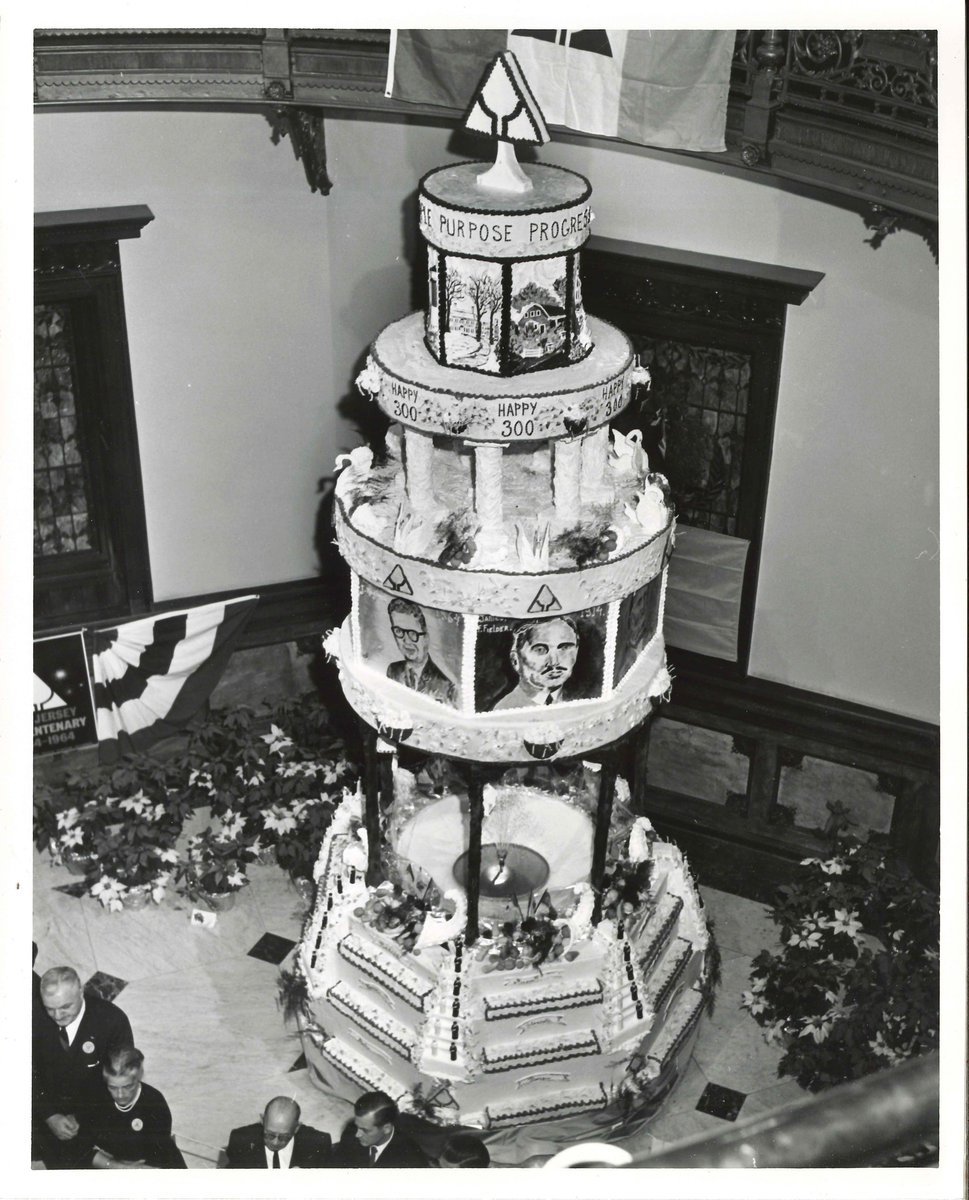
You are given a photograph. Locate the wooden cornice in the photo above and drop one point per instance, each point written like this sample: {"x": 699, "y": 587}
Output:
{"x": 848, "y": 116}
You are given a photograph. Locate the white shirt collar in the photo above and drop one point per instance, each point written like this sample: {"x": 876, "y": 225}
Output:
{"x": 75, "y": 1024}
{"x": 285, "y": 1155}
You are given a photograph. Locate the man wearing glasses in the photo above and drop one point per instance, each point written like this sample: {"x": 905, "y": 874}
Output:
{"x": 416, "y": 669}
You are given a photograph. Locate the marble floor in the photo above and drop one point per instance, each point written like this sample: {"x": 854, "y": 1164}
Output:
{"x": 202, "y": 1004}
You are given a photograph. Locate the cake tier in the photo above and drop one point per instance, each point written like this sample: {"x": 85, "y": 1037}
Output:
{"x": 421, "y": 393}
{"x": 614, "y": 1013}
{"x": 563, "y": 729}
{"x": 459, "y": 216}
{"x": 506, "y": 588}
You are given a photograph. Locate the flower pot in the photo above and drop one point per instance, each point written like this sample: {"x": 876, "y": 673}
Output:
{"x": 218, "y": 901}
{"x": 78, "y": 863}
{"x": 306, "y": 888}
{"x": 138, "y": 896}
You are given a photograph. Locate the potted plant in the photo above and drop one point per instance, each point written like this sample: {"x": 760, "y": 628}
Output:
{"x": 134, "y": 849}
{"x": 215, "y": 864}
{"x": 72, "y": 835}
{"x": 855, "y": 986}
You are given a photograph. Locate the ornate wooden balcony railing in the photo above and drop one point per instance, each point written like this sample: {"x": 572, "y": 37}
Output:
{"x": 848, "y": 114}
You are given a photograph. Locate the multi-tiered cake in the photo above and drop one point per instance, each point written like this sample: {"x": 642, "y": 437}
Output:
{"x": 515, "y": 942}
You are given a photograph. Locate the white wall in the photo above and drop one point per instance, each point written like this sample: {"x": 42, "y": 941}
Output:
{"x": 228, "y": 310}
{"x": 250, "y": 302}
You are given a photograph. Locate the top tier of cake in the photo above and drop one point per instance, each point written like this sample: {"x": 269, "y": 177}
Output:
{"x": 504, "y": 293}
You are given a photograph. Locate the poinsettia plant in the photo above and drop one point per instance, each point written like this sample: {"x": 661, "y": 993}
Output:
{"x": 280, "y": 768}
{"x": 216, "y": 860}
{"x": 855, "y": 985}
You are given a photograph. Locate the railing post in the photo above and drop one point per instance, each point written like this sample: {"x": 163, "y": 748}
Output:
{"x": 371, "y": 802}
{"x": 476, "y": 815}
{"x": 759, "y": 109}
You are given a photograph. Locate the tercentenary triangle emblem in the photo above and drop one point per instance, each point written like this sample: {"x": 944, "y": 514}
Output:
{"x": 545, "y": 601}
{"x": 397, "y": 582}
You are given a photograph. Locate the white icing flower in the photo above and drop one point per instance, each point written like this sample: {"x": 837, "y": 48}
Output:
{"x": 639, "y": 376}
{"x": 437, "y": 930}
{"x": 532, "y": 544}
{"x": 355, "y": 856}
{"x": 368, "y": 381}
{"x": 489, "y": 798}
{"x": 331, "y": 644}
{"x": 580, "y": 922}
{"x": 662, "y": 683}
{"x": 412, "y": 533}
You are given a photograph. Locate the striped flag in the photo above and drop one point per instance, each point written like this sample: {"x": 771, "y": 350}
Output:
{"x": 152, "y": 676}
{"x": 655, "y": 87}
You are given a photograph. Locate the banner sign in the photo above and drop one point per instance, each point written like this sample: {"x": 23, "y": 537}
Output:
{"x": 63, "y": 702}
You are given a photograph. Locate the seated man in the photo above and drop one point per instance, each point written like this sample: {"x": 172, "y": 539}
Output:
{"x": 373, "y": 1139}
{"x": 279, "y": 1141}
{"x": 71, "y": 1037}
{"x": 464, "y": 1150}
{"x": 130, "y": 1125}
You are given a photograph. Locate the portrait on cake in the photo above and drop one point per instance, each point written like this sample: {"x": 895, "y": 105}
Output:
{"x": 411, "y": 644}
{"x": 544, "y": 661}
{"x": 638, "y": 617}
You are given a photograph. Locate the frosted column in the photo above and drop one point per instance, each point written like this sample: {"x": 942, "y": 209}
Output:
{"x": 567, "y": 462}
{"x": 419, "y": 455}
{"x": 487, "y": 488}
{"x": 595, "y": 448}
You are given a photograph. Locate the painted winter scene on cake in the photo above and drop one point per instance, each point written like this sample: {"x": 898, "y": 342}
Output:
{"x": 472, "y": 313}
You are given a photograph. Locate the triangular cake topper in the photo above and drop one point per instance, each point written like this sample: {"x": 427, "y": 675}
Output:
{"x": 503, "y": 107}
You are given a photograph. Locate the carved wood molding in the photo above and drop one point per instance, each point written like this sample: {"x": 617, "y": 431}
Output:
{"x": 848, "y": 114}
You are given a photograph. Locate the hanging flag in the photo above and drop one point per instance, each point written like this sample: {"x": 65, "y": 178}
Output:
{"x": 655, "y": 87}
{"x": 152, "y": 676}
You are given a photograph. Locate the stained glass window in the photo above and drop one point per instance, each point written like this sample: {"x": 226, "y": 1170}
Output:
{"x": 697, "y": 406}
{"x": 62, "y": 500}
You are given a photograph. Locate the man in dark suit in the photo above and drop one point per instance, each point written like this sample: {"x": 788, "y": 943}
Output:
{"x": 71, "y": 1038}
{"x": 278, "y": 1142}
{"x": 373, "y": 1139}
{"x": 70, "y": 1041}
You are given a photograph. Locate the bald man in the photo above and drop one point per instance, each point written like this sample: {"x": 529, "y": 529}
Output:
{"x": 278, "y": 1142}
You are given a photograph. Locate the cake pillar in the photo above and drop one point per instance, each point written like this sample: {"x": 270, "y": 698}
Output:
{"x": 419, "y": 453}
{"x": 487, "y": 489}
{"x": 371, "y": 805}
{"x": 607, "y": 791}
{"x": 595, "y": 450}
{"x": 566, "y": 470}
{"x": 476, "y": 813}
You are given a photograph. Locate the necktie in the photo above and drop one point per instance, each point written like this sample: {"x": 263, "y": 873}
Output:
{"x": 373, "y": 1156}
{"x": 550, "y": 698}
{"x": 63, "y": 1038}
{"x": 276, "y": 1165}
